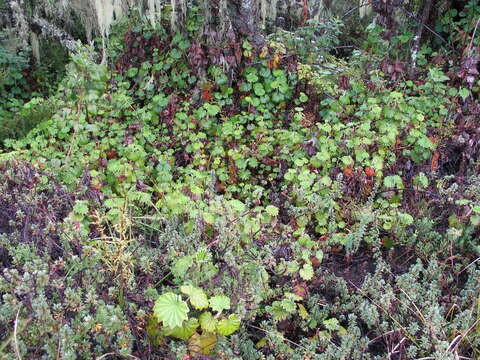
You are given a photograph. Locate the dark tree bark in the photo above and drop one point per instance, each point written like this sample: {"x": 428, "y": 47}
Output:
{"x": 418, "y": 36}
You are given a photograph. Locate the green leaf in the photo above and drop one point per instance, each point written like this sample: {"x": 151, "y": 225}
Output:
{"x": 464, "y": 93}
{"x": 258, "y": 89}
{"x": 251, "y": 78}
{"x": 212, "y": 110}
{"x": 271, "y": 210}
{"x": 237, "y": 205}
{"x": 228, "y": 326}
{"x": 209, "y": 218}
{"x": 344, "y": 100}
{"x": 306, "y": 272}
{"x": 347, "y": 160}
{"x": 393, "y": 181}
{"x": 452, "y": 92}
{"x": 245, "y": 86}
{"x": 303, "y": 97}
{"x": 171, "y": 310}
{"x": 181, "y": 265}
{"x": 197, "y": 296}
{"x": 421, "y": 180}
{"x": 331, "y": 324}
{"x": 277, "y": 310}
{"x": 289, "y": 305}
{"x": 185, "y": 331}
{"x": 219, "y": 303}
{"x": 133, "y": 71}
{"x": 405, "y": 219}
{"x": 303, "y": 312}
{"x": 208, "y": 322}
{"x": 81, "y": 207}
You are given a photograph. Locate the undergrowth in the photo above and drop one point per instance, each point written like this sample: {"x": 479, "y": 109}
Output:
{"x": 168, "y": 209}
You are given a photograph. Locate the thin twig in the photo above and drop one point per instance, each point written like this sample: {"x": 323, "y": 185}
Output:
{"x": 382, "y": 335}
{"x": 113, "y": 353}
{"x": 473, "y": 36}
{"x": 394, "y": 350}
{"x": 366, "y": 3}
{"x": 453, "y": 345}
{"x": 278, "y": 335}
{"x": 15, "y": 341}
{"x": 472, "y": 263}
{"x": 104, "y": 356}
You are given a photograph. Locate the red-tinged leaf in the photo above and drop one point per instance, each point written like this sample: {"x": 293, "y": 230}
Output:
{"x": 111, "y": 154}
{"x": 370, "y": 172}
{"x": 433, "y": 140}
{"x": 301, "y": 290}
{"x": 348, "y": 171}
{"x": 437, "y": 59}
{"x": 344, "y": 83}
{"x": 323, "y": 237}
{"x": 207, "y": 95}
{"x": 315, "y": 263}
{"x": 434, "y": 164}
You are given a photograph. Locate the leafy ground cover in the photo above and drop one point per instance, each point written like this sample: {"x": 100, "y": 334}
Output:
{"x": 167, "y": 208}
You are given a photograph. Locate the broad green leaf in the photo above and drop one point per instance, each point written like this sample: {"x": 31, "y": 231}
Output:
{"x": 171, "y": 310}
{"x": 185, "y": 331}
{"x": 306, "y": 272}
{"x": 271, "y": 210}
{"x": 258, "y": 89}
{"x": 405, "y": 218}
{"x": 197, "y": 296}
{"x": 81, "y": 207}
{"x": 228, "y": 326}
{"x": 133, "y": 71}
{"x": 237, "y": 205}
{"x": 208, "y": 322}
{"x": 209, "y": 218}
{"x": 331, "y": 324}
{"x": 421, "y": 180}
{"x": 393, "y": 181}
{"x": 212, "y": 110}
{"x": 219, "y": 303}
{"x": 303, "y": 312}
{"x": 464, "y": 93}
{"x": 245, "y": 86}
{"x": 251, "y": 78}
{"x": 277, "y": 310}
{"x": 181, "y": 265}
{"x": 289, "y": 305}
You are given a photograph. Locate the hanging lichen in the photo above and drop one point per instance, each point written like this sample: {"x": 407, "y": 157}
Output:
{"x": 154, "y": 11}
{"x": 179, "y": 10}
{"x": 365, "y": 8}
{"x": 35, "y": 44}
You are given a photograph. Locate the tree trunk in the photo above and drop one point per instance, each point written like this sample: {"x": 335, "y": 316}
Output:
{"x": 418, "y": 36}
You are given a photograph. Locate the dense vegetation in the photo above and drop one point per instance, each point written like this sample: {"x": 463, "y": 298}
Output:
{"x": 314, "y": 194}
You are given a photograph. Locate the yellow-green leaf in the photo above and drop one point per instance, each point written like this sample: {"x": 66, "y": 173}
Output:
{"x": 185, "y": 331}
{"x": 208, "y": 322}
{"x": 171, "y": 310}
{"x": 197, "y": 296}
{"x": 228, "y": 326}
{"x": 219, "y": 303}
